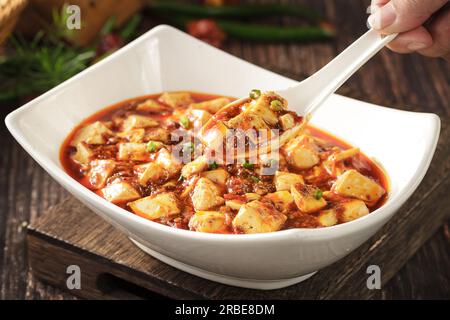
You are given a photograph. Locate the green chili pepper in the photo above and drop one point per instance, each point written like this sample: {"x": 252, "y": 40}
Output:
{"x": 273, "y": 33}
{"x": 240, "y": 11}
{"x": 255, "y": 179}
{"x": 257, "y": 32}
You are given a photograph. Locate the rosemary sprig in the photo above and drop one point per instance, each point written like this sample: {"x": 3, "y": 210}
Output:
{"x": 36, "y": 67}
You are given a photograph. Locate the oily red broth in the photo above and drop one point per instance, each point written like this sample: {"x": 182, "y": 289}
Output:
{"x": 319, "y": 201}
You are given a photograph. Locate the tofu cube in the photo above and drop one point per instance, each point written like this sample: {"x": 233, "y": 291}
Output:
{"x": 248, "y": 120}
{"x": 258, "y": 217}
{"x": 214, "y": 137}
{"x": 149, "y": 172}
{"x": 282, "y": 200}
{"x": 344, "y": 154}
{"x": 168, "y": 162}
{"x": 307, "y": 198}
{"x": 211, "y": 106}
{"x": 351, "y": 210}
{"x": 301, "y": 152}
{"x": 209, "y": 221}
{"x": 176, "y": 99}
{"x": 135, "y": 135}
{"x": 120, "y": 192}
{"x": 252, "y": 196}
{"x": 133, "y": 151}
{"x": 353, "y": 184}
{"x": 261, "y": 107}
{"x": 137, "y": 121}
{"x": 157, "y": 134}
{"x": 83, "y": 154}
{"x": 199, "y": 117}
{"x": 198, "y": 165}
{"x": 206, "y": 195}
{"x": 285, "y": 180}
{"x": 94, "y": 133}
{"x": 151, "y": 105}
{"x": 218, "y": 176}
{"x": 163, "y": 205}
{"x": 99, "y": 172}
{"x": 327, "y": 218}
{"x": 234, "y": 204}
{"x": 287, "y": 121}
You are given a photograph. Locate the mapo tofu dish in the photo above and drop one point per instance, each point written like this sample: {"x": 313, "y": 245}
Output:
{"x": 211, "y": 164}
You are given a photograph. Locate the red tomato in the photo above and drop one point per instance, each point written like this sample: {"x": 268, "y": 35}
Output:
{"x": 206, "y": 30}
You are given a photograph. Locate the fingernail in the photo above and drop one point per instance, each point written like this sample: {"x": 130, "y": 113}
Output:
{"x": 414, "y": 46}
{"x": 372, "y": 9}
{"x": 383, "y": 17}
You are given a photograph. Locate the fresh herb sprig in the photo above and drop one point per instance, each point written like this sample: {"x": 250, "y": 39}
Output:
{"x": 37, "y": 67}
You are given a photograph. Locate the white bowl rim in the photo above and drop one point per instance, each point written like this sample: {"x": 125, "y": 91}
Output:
{"x": 339, "y": 230}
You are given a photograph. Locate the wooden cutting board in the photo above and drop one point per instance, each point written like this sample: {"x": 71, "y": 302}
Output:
{"x": 113, "y": 268}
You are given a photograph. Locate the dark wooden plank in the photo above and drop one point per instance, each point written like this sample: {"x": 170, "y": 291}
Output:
{"x": 71, "y": 234}
{"x": 423, "y": 272}
{"x": 411, "y": 82}
{"x": 25, "y": 190}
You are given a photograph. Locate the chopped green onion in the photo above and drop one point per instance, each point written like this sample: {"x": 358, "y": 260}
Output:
{"x": 247, "y": 165}
{"x": 271, "y": 162}
{"x": 213, "y": 165}
{"x": 255, "y": 179}
{"x": 255, "y": 94}
{"x": 188, "y": 147}
{"x": 184, "y": 121}
{"x": 276, "y": 105}
{"x": 151, "y": 146}
{"x": 318, "y": 194}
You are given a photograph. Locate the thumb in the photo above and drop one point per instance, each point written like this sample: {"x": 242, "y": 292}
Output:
{"x": 403, "y": 15}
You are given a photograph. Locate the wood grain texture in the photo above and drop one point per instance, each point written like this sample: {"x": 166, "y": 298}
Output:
{"x": 411, "y": 82}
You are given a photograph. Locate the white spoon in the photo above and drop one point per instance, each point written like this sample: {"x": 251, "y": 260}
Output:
{"x": 309, "y": 94}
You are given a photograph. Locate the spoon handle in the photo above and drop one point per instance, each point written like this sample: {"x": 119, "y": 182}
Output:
{"x": 314, "y": 90}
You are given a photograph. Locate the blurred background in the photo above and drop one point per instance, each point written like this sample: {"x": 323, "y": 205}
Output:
{"x": 294, "y": 38}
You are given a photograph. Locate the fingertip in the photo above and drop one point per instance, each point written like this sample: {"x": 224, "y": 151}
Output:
{"x": 382, "y": 17}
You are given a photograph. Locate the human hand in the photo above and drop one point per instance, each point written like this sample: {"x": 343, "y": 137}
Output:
{"x": 423, "y": 25}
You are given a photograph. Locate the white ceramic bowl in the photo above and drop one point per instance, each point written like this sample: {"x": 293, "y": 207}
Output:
{"x": 165, "y": 59}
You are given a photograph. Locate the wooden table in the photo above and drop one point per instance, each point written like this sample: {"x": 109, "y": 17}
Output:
{"x": 411, "y": 82}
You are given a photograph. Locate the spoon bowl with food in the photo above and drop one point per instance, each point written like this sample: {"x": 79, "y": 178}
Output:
{"x": 269, "y": 111}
